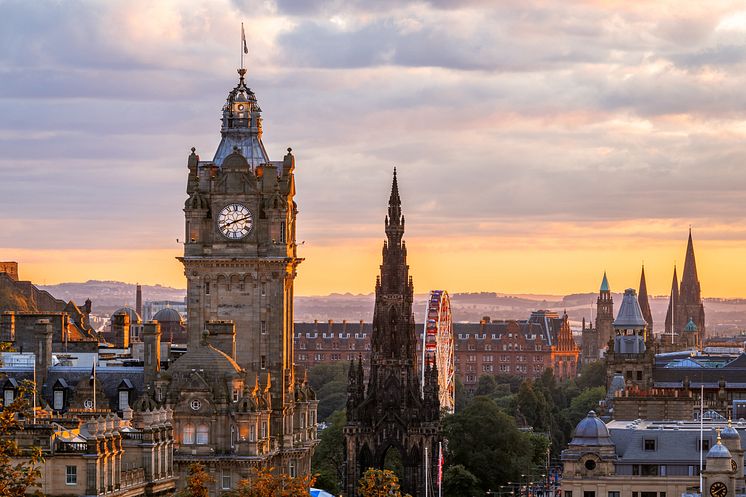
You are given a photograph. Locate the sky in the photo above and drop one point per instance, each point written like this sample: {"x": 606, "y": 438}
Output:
{"x": 538, "y": 144}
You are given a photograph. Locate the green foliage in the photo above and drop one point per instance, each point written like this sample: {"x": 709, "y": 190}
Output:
{"x": 586, "y": 401}
{"x": 592, "y": 375}
{"x": 459, "y": 482}
{"x": 328, "y": 459}
{"x": 487, "y": 442}
{"x": 19, "y": 471}
{"x": 329, "y": 381}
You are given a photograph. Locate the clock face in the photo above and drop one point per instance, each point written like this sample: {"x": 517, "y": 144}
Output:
{"x": 235, "y": 221}
{"x": 733, "y": 465}
{"x": 195, "y": 405}
{"x": 718, "y": 489}
{"x": 88, "y": 404}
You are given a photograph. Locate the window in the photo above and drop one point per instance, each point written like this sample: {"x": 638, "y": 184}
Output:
{"x": 705, "y": 443}
{"x": 236, "y": 394}
{"x": 487, "y": 358}
{"x": 264, "y": 328}
{"x": 8, "y": 396}
{"x": 504, "y": 368}
{"x": 487, "y": 347}
{"x": 649, "y": 444}
{"x": 71, "y": 475}
{"x": 471, "y": 358}
{"x": 291, "y": 469}
{"x": 648, "y": 470}
{"x": 264, "y": 362}
{"x": 589, "y": 493}
{"x": 317, "y": 357}
{"x": 639, "y": 376}
{"x": 225, "y": 480}
{"x": 59, "y": 400}
{"x": 471, "y": 347}
{"x": 282, "y": 232}
{"x": 614, "y": 493}
{"x": 187, "y": 436}
{"x": 264, "y": 289}
{"x": 124, "y": 399}
{"x": 203, "y": 434}
{"x": 252, "y": 433}
{"x": 568, "y": 493}
{"x": 487, "y": 368}
{"x": 264, "y": 429}
{"x": 207, "y": 288}
{"x": 590, "y": 464}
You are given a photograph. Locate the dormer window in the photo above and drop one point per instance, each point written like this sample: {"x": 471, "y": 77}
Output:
{"x": 124, "y": 390}
{"x": 10, "y": 389}
{"x": 59, "y": 392}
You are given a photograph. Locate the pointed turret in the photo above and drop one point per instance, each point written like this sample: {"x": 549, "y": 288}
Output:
{"x": 690, "y": 290}
{"x": 604, "y": 313}
{"x": 642, "y": 299}
{"x": 671, "y": 317}
{"x": 604, "y": 284}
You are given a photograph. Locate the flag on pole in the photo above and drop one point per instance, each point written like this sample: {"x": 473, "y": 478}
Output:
{"x": 243, "y": 40}
{"x": 440, "y": 464}
{"x": 92, "y": 378}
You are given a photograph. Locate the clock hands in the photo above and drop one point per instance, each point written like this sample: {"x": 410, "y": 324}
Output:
{"x": 237, "y": 221}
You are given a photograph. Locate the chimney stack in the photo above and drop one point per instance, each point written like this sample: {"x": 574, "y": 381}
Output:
{"x": 138, "y": 300}
{"x": 43, "y": 350}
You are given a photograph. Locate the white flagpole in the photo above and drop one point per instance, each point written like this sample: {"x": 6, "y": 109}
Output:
{"x": 426, "y": 482}
{"x": 701, "y": 430}
{"x": 243, "y": 36}
{"x": 34, "y": 390}
{"x": 94, "y": 382}
{"x": 440, "y": 469}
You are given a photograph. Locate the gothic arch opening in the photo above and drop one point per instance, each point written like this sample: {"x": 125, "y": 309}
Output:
{"x": 394, "y": 461}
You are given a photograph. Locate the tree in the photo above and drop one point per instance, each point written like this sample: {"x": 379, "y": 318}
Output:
{"x": 592, "y": 375}
{"x": 459, "y": 482}
{"x": 19, "y": 470}
{"x": 329, "y": 381}
{"x": 379, "y": 483}
{"x": 487, "y": 442}
{"x": 328, "y": 458}
{"x": 196, "y": 482}
{"x": 264, "y": 483}
{"x": 580, "y": 405}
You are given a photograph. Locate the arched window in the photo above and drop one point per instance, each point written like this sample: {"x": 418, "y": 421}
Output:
{"x": 203, "y": 434}
{"x": 187, "y": 436}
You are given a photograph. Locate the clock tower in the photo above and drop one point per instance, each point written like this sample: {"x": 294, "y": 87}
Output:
{"x": 240, "y": 263}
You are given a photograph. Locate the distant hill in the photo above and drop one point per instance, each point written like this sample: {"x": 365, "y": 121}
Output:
{"x": 108, "y": 296}
{"x": 724, "y": 316}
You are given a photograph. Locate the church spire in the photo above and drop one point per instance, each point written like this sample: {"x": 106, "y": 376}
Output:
{"x": 690, "y": 291}
{"x": 671, "y": 321}
{"x": 642, "y": 299}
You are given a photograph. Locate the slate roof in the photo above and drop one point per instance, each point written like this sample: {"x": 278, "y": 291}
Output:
{"x": 630, "y": 315}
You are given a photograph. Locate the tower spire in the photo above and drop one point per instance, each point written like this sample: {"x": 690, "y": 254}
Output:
{"x": 689, "y": 280}
{"x": 642, "y": 299}
{"x": 671, "y": 321}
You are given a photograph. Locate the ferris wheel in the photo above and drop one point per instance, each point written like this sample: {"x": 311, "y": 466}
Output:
{"x": 437, "y": 345}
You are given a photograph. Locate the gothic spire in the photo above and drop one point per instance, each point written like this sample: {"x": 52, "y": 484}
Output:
{"x": 642, "y": 298}
{"x": 672, "y": 303}
{"x": 689, "y": 281}
{"x": 394, "y": 220}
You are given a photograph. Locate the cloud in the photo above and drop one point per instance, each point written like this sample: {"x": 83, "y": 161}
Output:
{"x": 505, "y": 119}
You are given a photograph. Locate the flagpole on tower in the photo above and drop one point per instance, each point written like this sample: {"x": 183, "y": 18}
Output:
{"x": 244, "y": 47}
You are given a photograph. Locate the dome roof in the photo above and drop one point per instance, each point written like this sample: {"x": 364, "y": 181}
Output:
{"x": 167, "y": 315}
{"x": 134, "y": 316}
{"x": 591, "y": 431}
{"x": 630, "y": 315}
{"x": 205, "y": 356}
{"x": 729, "y": 433}
{"x": 719, "y": 451}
